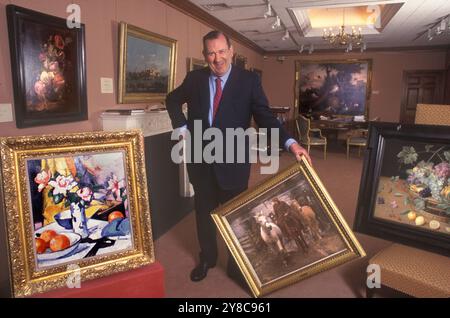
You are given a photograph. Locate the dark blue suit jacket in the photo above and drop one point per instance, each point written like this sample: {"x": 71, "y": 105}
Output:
{"x": 242, "y": 98}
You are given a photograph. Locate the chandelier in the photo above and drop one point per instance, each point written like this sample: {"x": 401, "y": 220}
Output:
{"x": 342, "y": 38}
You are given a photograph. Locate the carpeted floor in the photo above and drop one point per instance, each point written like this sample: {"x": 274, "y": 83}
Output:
{"x": 177, "y": 249}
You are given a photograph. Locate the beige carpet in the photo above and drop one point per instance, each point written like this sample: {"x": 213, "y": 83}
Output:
{"x": 177, "y": 249}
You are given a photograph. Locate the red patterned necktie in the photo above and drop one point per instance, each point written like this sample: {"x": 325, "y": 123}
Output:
{"x": 217, "y": 96}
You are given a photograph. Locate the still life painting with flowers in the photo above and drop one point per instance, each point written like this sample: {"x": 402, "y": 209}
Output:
{"x": 79, "y": 202}
{"x": 416, "y": 191}
{"x": 73, "y": 203}
{"x": 48, "y": 66}
{"x": 405, "y": 186}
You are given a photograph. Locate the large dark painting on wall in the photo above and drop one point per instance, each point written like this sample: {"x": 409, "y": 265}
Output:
{"x": 48, "y": 68}
{"x": 333, "y": 88}
{"x": 405, "y": 187}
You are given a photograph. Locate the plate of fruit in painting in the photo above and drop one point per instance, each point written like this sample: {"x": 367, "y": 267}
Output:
{"x": 51, "y": 245}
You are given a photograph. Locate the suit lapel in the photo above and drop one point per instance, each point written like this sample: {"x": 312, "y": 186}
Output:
{"x": 204, "y": 93}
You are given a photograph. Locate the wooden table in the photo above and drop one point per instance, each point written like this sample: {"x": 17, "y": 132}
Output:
{"x": 335, "y": 126}
{"x": 338, "y": 124}
{"x": 282, "y": 113}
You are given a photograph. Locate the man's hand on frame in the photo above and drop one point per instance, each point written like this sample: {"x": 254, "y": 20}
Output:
{"x": 298, "y": 151}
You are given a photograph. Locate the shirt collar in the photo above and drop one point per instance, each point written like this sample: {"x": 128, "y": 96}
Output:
{"x": 223, "y": 78}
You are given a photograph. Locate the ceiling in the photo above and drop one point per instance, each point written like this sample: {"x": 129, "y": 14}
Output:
{"x": 384, "y": 24}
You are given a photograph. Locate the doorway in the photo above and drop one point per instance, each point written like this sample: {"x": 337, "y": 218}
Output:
{"x": 420, "y": 87}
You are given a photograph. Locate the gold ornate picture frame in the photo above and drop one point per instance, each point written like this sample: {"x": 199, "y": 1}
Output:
{"x": 285, "y": 230}
{"x": 240, "y": 61}
{"x": 147, "y": 64}
{"x": 74, "y": 204}
{"x": 195, "y": 64}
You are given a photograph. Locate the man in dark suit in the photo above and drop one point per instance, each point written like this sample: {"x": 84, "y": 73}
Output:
{"x": 221, "y": 96}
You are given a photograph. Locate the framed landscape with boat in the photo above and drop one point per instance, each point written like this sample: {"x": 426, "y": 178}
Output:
{"x": 83, "y": 204}
{"x": 405, "y": 188}
{"x": 147, "y": 64}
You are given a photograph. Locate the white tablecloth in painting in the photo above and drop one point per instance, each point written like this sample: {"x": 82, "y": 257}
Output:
{"x": 95, "y": 229}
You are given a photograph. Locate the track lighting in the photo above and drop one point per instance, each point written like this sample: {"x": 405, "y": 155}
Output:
{"x": 302, "y": 47}
{"x": 285, "y": 36}
{"x": 277, "y": 23}
{"x": 311, "y": 49}
{"x": 438, "y": 28}
{"x": 268, "y": 13}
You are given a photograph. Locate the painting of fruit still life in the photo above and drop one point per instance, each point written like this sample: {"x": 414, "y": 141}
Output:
{"x": 81, "y": 204}
{"x": 48, "y": 68}
{"x": 411, "y": 199}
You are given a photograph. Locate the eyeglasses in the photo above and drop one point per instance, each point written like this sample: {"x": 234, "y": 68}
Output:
{"x": 213, "y": 54}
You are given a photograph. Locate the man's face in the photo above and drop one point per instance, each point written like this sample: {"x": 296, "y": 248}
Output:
{"x": 218, "y": 55}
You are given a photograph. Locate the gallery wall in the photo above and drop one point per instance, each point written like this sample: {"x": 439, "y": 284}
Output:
{"x": 101, "y": 19}
{"x": 387, "y": 77}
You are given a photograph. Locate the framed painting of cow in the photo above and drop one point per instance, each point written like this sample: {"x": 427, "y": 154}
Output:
{"x": 285, "y": 229}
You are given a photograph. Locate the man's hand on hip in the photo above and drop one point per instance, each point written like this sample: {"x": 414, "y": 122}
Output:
{"x": 298, "y": 151}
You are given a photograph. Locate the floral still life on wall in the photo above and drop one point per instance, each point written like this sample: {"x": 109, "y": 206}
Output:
{"x": 79, "y": 207}
{"x": 417, "y": 191}
{"x": 50, "y": 87}
{"x": 48, "y": 68}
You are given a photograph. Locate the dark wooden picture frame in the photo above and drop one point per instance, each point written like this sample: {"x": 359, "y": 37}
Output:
{"x": 401, "y": 198}
{"x": 48, "y": 68}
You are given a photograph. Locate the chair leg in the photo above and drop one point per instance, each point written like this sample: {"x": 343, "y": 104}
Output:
{"x": 308, "y": 148}
{"x": 325, "y": 152}
{"x": 359, "y": 151}
{"x": 348, "y": 149}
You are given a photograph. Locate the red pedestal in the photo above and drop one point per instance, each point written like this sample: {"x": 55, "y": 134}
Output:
{"x": 144, "y": 282}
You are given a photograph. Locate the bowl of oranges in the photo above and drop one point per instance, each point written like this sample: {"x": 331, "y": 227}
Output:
{"x": 52, "y": 245}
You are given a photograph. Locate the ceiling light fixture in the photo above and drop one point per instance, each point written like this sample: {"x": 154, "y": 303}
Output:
{"x": 268, "y": 13}
{"x": 281, "y": 59}
{"x": 277, "y": 23}
{"x": 285, "y": 36}
{"x": 438, "y": 28}
{"x": 363, "y": 47}
{"x": 311, "y": 48}
{"x": 341, "y": 37}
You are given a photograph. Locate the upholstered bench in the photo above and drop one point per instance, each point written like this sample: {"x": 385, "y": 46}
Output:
{"x": 413, "y": 272}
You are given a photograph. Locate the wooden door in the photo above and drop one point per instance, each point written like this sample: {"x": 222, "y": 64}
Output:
{"x": 420, "y": 87}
